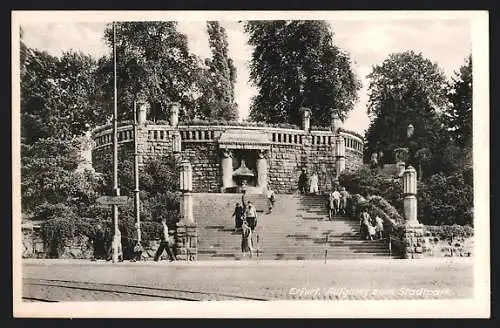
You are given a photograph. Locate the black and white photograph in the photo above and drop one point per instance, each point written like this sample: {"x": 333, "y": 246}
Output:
{"x": 264, "y": 164}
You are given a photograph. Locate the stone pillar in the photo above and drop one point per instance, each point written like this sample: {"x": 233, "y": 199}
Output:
{"x": 261, "y": 169}
{"x": 335, "y": 123}
{"x": 142, "y": 111}
{"x": 410, "y": 198}
{"x": 174, "y": 114}
{"x": 176, "y": 141}
{"x": 413, "y": 231}
{"x": 306, "y": 119}
{"x": 186, "y": 237}
{"x": 227, "y": 169}
{"x": 339, "y": 154}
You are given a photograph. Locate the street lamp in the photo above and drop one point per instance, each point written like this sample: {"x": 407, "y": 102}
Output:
{"x": 136, "y": 179}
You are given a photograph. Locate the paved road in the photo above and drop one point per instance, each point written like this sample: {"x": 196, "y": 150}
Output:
{"x": 79, "y": 280}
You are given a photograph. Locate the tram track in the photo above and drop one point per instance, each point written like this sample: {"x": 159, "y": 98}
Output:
{"x": 141, "y": 291}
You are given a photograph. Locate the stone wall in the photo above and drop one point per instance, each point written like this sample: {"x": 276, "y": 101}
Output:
{"x": 290, "y": 152}
{"x": 78, "y": 248}
{"x": 438, "y": 242}
{"x": 284, "y": 167}
{"x": 205, "y": 161}
{"x": 353, "y": 160}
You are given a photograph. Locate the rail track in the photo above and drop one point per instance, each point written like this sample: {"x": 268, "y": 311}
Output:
{"x": 55, "y": 290}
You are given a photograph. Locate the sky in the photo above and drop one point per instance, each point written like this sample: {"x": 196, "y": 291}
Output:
{"x": 446, "y": 42}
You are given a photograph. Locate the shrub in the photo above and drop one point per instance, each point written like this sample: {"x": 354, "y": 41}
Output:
{"x": 449, "y": 232}
{"x": 391, "y": 212}
{"x": 446, "y": 200}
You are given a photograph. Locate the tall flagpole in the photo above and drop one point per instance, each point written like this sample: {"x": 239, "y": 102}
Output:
{"x": 116, "y": 190}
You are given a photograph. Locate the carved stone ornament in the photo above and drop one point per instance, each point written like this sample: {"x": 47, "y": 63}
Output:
{"x": 227, "y": 153}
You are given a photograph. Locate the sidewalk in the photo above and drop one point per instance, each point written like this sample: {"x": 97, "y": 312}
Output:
{"x": 255, "y": 262}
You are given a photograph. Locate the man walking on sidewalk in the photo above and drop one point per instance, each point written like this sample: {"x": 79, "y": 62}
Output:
{"x": 165, "y": 243}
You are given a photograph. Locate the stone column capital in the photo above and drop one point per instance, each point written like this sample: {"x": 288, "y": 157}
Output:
{"x": 262, "y": 153}
{"x": 227, "y": 153}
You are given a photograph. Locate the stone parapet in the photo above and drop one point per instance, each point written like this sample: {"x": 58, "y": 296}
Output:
{"x": 288, "y": 152}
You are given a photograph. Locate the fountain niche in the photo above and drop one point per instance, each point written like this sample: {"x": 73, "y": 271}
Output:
{"x": 244, "y": 173}
{"x": 242, "y": 176}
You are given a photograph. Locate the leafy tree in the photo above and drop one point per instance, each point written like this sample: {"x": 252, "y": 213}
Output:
{"x": 459, "y": 115}
{"x": 153, "y": 64}
{"x": 49, "y": 180}
{"x": 405, "y": 89}
{"x": 23, "y": 50}
{"x": 296, "y": 64}
{"x": 217, "y": 100}
{"x": 58, "y": 95}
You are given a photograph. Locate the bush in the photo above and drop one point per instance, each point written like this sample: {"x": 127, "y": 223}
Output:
{"x": 446, "y": 200}
{"x": 449, "y": 232}
{"x": 59, "y": 232}
{"x": 367, "y": 183}
{"x": 387, "y": 208}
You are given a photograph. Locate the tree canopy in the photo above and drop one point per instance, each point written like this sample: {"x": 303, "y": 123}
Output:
{"x": 405, "y": 89}
{"x": 58, "y": 95}
{"x": 296, "y": 64}
{"x": 154, "y": 65}
{"x": 459, "y": 115}
{"x": 217, "y": 100}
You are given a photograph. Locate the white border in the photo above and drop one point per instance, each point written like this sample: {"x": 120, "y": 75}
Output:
{"x": 479, "y": 306}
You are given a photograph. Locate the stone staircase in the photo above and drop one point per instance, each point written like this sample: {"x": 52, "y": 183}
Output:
{"x": 297, "y": 229}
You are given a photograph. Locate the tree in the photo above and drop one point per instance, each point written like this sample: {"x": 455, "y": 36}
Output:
{"x": 217, "y": 100}
{"x": 296, "y": 64}
{"x": 58, "y": 95}
{"x": 459, "y": 114}
{"x": 154, "y": 65}
{"x": 405, "y": 89}
{"x": 49, "y": 179}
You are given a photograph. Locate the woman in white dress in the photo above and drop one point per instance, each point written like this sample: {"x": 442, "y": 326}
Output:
{"x": 313, "y": 184}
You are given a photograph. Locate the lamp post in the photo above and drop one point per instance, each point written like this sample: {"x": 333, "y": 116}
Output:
{"x": 116, "y": 189}
{"x": 136, "y": 179}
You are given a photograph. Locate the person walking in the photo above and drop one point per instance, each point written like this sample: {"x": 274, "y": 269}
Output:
{"x": 238, "y": 216}
{"x": 165, "y": 243}
{"x": 246, "y": 239}
{"x": 251, "y": 216}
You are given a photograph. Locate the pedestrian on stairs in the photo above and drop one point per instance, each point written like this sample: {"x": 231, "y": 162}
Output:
{"x": 344, "y": 197}
{"x": 246, "y": 239}
{"x": 335, "y": 197}
{"x": 251, "y": 216}
{"x": 364, "y": 224}
{"x": 313, "y": 184}
{"x": 303, "y": 179}
{"x": 238, "y": 216}
{"x": 379, "y": 227}
{"x": 271, "y": 199}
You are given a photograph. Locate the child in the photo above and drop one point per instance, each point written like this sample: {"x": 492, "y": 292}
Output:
{"x": 379, "y": 227}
